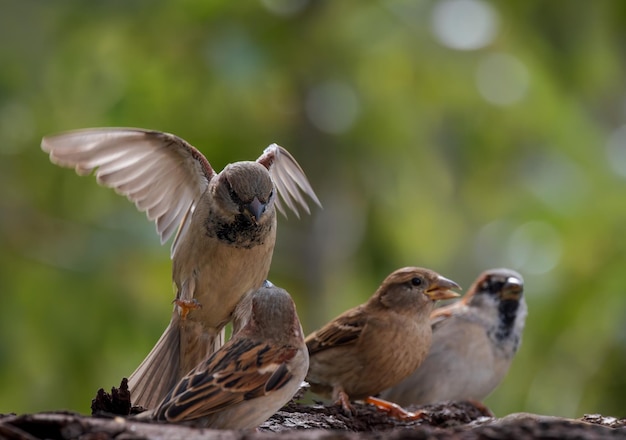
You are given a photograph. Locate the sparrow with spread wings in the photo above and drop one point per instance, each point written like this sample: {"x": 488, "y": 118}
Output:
{"x": 226, "y": 225}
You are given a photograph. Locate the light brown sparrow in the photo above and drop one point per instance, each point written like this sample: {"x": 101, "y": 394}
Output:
{"x": 474, "y": 341}
{"x": 375, "y": 345}
{"x": 251, "y": 377}
{"x": 226, "y": 230}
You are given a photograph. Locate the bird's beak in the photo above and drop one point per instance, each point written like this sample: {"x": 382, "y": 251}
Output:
{"x": 441, "y": 289}
{"x": 513, "y": 289}
{"x": 256, "y": 208}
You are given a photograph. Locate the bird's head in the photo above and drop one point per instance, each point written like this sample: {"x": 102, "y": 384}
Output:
{"x": 498, "y": 295}
{"x": 414, "y": 287}
{"x": 273, "y": 315}
{"x": 496, "y": 285}
{"x": 245, "y": 188}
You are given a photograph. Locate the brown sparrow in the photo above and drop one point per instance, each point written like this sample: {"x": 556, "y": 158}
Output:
{"x": 474, "y": 341}
{"x": 251, "y": 377}
{"x": 375, "y": 345}
{"x": 226, "y": 230}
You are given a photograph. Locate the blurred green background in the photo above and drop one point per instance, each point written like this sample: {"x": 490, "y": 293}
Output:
{"x": 459, "y": 135}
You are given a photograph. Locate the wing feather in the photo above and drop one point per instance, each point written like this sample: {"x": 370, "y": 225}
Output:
{"x": 240, "y": 371}
{"x": 160, "y": 173}
{"x": 344, "y": 330}
{"x": 442, "y": 314}
{"x": 289, "y": 180}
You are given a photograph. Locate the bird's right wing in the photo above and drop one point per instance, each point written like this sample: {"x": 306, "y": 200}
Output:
{"x": 344, "y": 330}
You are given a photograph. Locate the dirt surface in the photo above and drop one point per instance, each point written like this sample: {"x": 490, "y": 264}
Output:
{"x": 113, "y": 419}
{"x": 367, "y": 418}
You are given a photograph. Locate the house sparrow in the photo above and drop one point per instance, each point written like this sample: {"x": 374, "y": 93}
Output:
{"x": 226, "y": 230}
{"x": 375, "y": 345}
{"x": 251, "y": 377}
{"x": 474, "y": 341}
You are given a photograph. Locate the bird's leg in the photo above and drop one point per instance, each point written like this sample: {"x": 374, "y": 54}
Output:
{"x": 344, "y": 401}
{"x": 393, "y": 409}
{"x": 186, "y": 305}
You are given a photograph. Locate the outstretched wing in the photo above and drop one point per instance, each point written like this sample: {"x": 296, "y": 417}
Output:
{"x": 289, "y": 179}
{"x": 160, "y": 173}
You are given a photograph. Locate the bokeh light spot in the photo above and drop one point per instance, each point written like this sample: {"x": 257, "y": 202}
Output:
{"x": 464, "y": 24}
{"x": 488, "y": 246}
{"x": 234, "y": 56}
{"x": 556, "y": 180}
{"x": 502, "y": 79}
{"x": 535, "y": 247}
{"x": 332, "y": 107}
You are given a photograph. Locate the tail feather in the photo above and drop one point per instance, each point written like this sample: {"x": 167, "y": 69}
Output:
{"x": 182, "y": 346}
{"x": 158, "y": 373}
{"x": 197, "y": 343}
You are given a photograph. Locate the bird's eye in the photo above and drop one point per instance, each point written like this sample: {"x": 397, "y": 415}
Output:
{"x": 234, "y": 196}
{"x": 416, "y": 281}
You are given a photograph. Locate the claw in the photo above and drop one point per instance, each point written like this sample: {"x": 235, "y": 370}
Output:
{"x": 344, "y": 401}
{"x": 186, "y": 305}
{"x": 394, "y": 410}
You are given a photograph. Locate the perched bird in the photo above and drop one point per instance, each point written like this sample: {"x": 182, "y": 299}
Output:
{"x": 474, "y": 341}
{"x": 375, "y": 345}
{"x": 251, "y": 377}
{"x": 226, "y": 230}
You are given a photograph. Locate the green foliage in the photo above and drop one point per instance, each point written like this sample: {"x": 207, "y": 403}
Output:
{"x": 422, "y": 154}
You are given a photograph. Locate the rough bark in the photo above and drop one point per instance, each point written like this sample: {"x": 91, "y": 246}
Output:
{"x": 458, "y": 420}
{"x": 304, "y": 425}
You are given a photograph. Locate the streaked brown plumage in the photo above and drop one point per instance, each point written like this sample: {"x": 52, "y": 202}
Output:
{"x": 251, "y": 377}
{"x": 474, "y": 342}
{"x": 226, "y": 230}
{"x": 375, "y": 345}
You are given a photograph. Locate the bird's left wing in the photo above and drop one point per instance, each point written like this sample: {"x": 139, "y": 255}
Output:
{"x": 289, "y": 179}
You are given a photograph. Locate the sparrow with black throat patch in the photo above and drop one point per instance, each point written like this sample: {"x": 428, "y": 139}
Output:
{"x": 226, "y": 225}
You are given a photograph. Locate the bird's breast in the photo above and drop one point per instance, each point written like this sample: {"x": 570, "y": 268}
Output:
{"x": 240, "y": 231}
{"x": 400, "y": 344}
{"x": 217, "y": 271}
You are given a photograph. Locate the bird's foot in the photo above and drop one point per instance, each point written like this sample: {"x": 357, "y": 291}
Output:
{"x": 344, "y": 401}
{"x": 394, "y": 410}
{"x": 186, "y": 305}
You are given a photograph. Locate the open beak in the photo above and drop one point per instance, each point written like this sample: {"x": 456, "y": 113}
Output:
{"x": 513, "y": 289}
{"x": 256, "y": 208}
{"x": 441, "y": 289}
